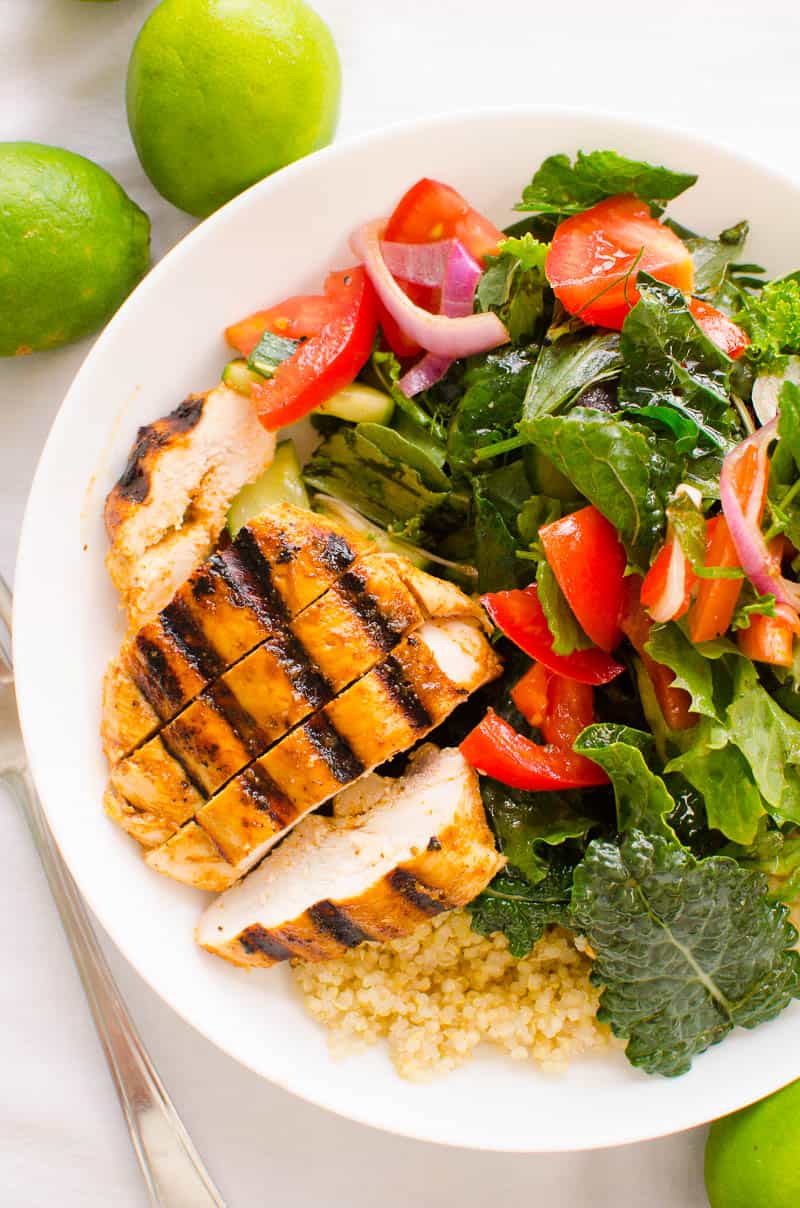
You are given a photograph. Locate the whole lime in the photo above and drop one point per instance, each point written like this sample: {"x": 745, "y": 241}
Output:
{"x": 222, "y": 92}
{"x": 72, "y": 246}
{"x": 752, "y": 1156}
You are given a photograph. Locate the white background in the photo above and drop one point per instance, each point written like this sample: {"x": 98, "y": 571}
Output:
{"x": 725, "y": 69}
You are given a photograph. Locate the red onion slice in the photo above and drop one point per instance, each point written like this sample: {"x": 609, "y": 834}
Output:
{"x": 447, "y": 337}
{"x": 744, "y": 521}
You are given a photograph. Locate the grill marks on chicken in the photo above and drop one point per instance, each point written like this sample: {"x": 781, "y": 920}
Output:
{"x": 279, "y": 564}
{"x": 288, "y": 665}
{"x": 396, "y": 853}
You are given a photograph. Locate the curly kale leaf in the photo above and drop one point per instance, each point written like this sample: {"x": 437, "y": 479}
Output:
{"x": 686, "y": 949}
{"x": 520, "y": 910}
{"x": 560, "y": 187}
{"x": 772, "y": 320}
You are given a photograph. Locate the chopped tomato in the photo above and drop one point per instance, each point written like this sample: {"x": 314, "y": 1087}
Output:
{"x": 716, "y": 600}
{"x": 431, "y": 211}
{"x": 297, "y": 318}
{"x": 570, "y": 709}
{"x": 768, "y": 640}
{"x": 529, "y": 694}
{"x": 667, "y": 587}
{"x": 496, "y": 749}
{"x": 726, "y": 334}
{"x": 588, "y": 560}
{"x": 521, "y": 617}
{"x": 327, "y": 361}
{"x": 595, "y": 256}
{"x": 675, "y": 703}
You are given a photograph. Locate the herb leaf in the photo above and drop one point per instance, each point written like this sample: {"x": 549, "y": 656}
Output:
{"x": 686, "y": 949}
{"x": 513, "y": 286}
{"x": 560, "y": 187}
{"x": 568, "y": 635}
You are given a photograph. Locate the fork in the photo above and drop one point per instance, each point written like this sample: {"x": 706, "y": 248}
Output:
{"x": 173, "y": 1170}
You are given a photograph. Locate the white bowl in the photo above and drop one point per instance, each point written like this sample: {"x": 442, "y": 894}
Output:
{"x": 278, "y": 239}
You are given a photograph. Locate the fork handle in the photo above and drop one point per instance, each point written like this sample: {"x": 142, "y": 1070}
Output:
{"x": 172, "y": 1168}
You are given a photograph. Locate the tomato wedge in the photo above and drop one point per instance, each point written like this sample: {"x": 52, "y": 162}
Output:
{"x": 595, "y": 256}
{"x": 588, "y": 560}
{"x": 529, "y": 694}
{"x": 496, "y": 749}
{"x": 726, "y": 334}
{"x": 327, "y": 361}
{"x": 570, "y": 709}
{"x": 297, "y": 318}
{"x": 667, "y": 587}
{"x": 767, "y": 640}
{"x": 521, "y": 618}
{"x": 431, "y": 210}
{"x": 675, "y": 703}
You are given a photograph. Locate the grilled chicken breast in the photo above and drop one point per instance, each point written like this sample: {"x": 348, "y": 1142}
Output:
{"x": 169, "y": 507}
{"x": 398, "y": 852}
{"x": 279, "y": 564}
{"x": 383, "y": 713}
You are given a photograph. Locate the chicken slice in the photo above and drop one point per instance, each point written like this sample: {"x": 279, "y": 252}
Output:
{"x": 420, "y": 845}
{"x": 329, "y": 645}
{"x": 169, "y": 507}
{"x": 385, "y": 712}
{"x": 280, "y": 562}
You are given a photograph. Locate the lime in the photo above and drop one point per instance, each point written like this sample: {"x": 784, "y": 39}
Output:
{"x": 72, "y": 246}
{"x": 223, "y": 92}
{"x": 751, "y": 1157}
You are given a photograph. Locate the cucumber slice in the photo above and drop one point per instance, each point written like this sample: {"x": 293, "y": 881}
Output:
{"x": 270, "y": 351}
{"x": 238, "y": 375}
{"x": 281, "y": 482}
{"x": 359, "y": 404}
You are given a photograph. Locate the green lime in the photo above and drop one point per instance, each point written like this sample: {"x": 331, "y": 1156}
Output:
{"x": 752, "y": 1156}
{"x": 72, "y": 246}
{"x": 223, "y": 92}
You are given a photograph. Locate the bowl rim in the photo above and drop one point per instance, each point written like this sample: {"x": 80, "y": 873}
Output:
{"x": 619, "y": 124}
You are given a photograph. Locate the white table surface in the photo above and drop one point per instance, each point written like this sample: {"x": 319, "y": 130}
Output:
{"x": 727, "y": 70}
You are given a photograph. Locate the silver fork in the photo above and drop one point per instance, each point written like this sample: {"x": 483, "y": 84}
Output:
{"x": 172, "y": 1168}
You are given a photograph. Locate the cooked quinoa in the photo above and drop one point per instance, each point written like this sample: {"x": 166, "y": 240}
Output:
{"x": 437, "y": 994}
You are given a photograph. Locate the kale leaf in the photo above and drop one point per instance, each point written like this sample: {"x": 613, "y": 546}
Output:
{"x": 520, "y": 910}
{"x": 686, "y": 949}
{"x": 513, "y": 286}
{"x": 495, "y": 544}
{"x": 619, "y": 466}
{"x": 524, "y": 822}
{"x": 567, "y": 367}
{"x": 490, "y": 406}
{"x": 560, "y": 187}
{"x": 672, "y": 373}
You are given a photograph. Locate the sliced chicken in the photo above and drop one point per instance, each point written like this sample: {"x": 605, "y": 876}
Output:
{"x": 413, "y": 848}
{"x": 168, "y": 508}
{"x": 279, "y": 564}
{"x": 338, "y": 638}
{"x": 383, "y": 713}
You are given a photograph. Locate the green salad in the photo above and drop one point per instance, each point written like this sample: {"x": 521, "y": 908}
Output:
{"x": 607, "y": 451}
